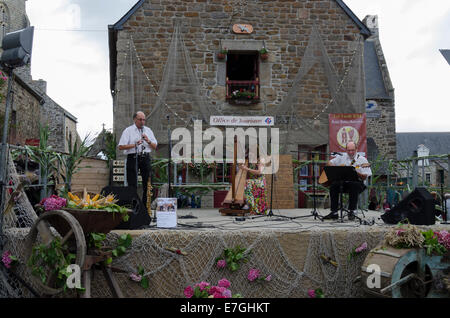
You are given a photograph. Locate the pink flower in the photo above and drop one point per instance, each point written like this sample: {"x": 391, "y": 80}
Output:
{"x": 253, "y": 274}
{"x": 53, "y": 203}
{"x": 312, "y": 293}
{"x": 444, "y": 238}
{"x": 188, "y": 292}
{"x": 224, "y": 283}
{"x": 202, "y": 285}
{"x": 268, "y": 278}
{"x": 135, "y": 277}
{"x": 6, "y": 259}
{"x": 221, "y": 263}
{"x": 227, "y": 293}
{"x": 361, "y": 248}
{"x": 213, "y": 290}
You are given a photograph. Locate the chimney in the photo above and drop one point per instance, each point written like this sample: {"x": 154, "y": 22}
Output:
{"x": 371, "y": 21}
{"x": 41, "y": 85}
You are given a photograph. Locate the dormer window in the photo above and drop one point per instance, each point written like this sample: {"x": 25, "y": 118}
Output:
{"x": 423, "y": 151}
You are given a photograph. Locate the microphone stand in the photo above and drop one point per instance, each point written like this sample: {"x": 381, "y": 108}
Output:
{"x": 314, "y": 211}
{"x": 169, "y": 143}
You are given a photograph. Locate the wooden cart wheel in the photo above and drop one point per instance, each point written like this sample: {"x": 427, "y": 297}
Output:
{"x": 70, "y": 235}
{"x": 405, "y": 273}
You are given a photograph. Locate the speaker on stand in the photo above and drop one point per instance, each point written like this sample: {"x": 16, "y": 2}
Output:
{"x": 418, "y": 207}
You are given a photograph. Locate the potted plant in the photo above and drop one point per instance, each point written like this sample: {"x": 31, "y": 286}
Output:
{"x": 263, "y": 53}
{"x": 222, "y": 53}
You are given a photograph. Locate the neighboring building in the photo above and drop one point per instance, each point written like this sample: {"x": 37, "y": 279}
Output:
{"x": 422, "y": 144}
{"x": 380, "y": 100}
{"x": 30, "y": 96}
{"x": 164, "y": 60}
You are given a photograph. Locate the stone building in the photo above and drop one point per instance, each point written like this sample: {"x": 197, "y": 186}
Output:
{"x": 380, "y": 99}
{"x": 30, "y": 96}
{"x": 433, "y": 171}
{"x": 164, "y": 60}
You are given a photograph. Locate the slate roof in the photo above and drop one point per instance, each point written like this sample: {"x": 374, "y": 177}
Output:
{"x": 437, "y": 142}
{"x": 446, "y": 54}
{"x": 375, "y": 86}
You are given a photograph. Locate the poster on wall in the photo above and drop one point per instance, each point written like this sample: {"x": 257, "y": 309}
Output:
{"x": 344, "y": 128}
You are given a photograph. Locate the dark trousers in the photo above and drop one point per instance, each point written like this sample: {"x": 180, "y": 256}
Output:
{"x": 353, "y": 188}
{"x": 144, "y": 167}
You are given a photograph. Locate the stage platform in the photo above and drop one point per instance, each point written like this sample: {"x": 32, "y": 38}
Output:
{"x": 290, "y": 246}
{"x": 281, "y": 220}
{"x": 297, "y": 251}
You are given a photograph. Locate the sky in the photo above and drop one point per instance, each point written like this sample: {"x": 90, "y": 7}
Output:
{"x": 70, "y": 52}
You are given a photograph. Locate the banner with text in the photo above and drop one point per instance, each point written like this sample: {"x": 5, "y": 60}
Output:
{"x": 241, "y": 121}
{"x": 347, "y": 127}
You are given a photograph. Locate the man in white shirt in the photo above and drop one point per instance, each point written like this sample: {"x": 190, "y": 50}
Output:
{"x": 353, "y": 188}
{"x": 137, "y": 142}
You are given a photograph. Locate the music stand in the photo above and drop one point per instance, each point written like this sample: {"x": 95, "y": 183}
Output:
{"x": 341, "y": 174}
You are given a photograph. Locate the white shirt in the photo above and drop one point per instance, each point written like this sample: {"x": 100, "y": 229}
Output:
{"x": 132, "y": 135}
{"x": 357, "y": 162}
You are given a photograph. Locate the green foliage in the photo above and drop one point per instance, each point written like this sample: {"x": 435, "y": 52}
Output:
{"x": 110, "y": 146}
{"x": 159, "y": 167}
{"x": 431, "y": 243}
{"x": 144, "y": 281}
{"x": 96, "y": 239}
{"x": 44, "y": 156}
{"x": 72, "y": 160}
{"x": 51, "y": 261}
{"x": 234, "y": 256}
{"x": 243, "y": 95}
{"x": 123, "y": 242}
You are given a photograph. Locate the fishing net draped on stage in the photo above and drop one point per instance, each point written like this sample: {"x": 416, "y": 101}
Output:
{"x": 293, "y": 258}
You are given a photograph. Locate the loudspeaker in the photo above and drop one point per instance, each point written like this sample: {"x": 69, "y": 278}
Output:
{"x": 127, "y": 196}
{"x": 417, "y": 207}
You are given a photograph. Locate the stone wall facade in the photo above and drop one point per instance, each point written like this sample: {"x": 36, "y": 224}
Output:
{"x": 31, "y": 105}
{"x": 381, "y": 128}
{"x": 26, "y": 105}
{"x": 62, "y": 125}
{"x": 283, "y": 27}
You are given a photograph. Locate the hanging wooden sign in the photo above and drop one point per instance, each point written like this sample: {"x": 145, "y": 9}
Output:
{"x": 243, "y": 28}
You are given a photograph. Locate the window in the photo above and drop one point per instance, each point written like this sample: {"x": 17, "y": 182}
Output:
{"x": 243, "y": 77}
{"x": 306, "y": 176}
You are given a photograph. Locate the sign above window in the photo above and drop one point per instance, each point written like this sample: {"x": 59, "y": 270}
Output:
{"x": 242, "y": 28}
{"x": 241, "y": 121}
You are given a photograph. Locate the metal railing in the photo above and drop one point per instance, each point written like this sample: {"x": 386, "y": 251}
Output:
{"x": 391, "y": 180}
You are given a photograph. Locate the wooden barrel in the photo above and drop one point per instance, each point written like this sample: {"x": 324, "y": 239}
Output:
{"x": 402, "y": 273}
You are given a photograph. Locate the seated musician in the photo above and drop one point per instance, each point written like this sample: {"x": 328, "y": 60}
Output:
{"x": 353, "y": 188}
{"x": 255, "y": 188}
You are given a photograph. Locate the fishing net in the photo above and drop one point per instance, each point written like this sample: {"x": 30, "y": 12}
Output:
{"x": 184, "y": 95}
{"x": 293, "y": 259}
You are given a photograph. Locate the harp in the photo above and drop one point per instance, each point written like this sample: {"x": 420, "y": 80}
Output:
{"x": 234, "y": 200}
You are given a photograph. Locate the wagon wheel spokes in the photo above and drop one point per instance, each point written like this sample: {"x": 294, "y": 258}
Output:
{"x": 45, "y": 232}
{"x": 69, "y": 240}
{"x": 67, "y": 236}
